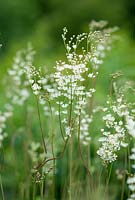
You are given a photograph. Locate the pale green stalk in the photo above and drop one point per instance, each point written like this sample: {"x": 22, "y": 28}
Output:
{"x": 124, "y": 178}
{"x": 52, "y": 146}
{"x": 1, "y": 186}
{"x": 109, "y": 171}
{"x": 71, "y": 163}
{"x": 41, "y": 128}
{"x": 34, "y": 191}
{"x": 70, "y": 150}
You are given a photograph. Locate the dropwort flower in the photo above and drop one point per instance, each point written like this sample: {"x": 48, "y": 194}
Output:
{"x": 19, "y": 93}
{"x": 115, "y": 131}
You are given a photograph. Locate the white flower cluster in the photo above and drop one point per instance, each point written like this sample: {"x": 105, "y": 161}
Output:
{"x": 100, "y": 39}
{"x": 71, "y": 87}
{"x": 130, "y": 125}
{"x": 19, "y": 93}
{"x": 70, "y": 81}
{"x": 46, "y": 94}
{"x": 131, "y": 179}
{"x": 34, "y": 79}
{"x": 119, "y": 122}
{"x": 71, "y": 93}
{"x": 71, "y": 77}
{"x": 114, "y": 133}
{"x": 84, "y": 128}
{"x": 3, "y": 118}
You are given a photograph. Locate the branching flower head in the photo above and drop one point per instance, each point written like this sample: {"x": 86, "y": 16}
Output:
{"x": 117, "y": 127}
{"x": 3, "y": 119}
{"x": 71, "y": 87}
{"x": 19, "y": 93}
{"x": 131, "y": 178}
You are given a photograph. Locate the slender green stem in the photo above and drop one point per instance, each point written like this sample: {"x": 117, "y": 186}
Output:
{"x": 111, "y": 87}
{"x": 129, "y": 165}
{"x": 53, "y": 168}
{"x": 22, "y": 191}
{"x": 52, "y": 147}
{"x": 71, "y": 159}
{"x": 41, "y": 129}
{"x": 123, "y": 186}
{"x": 109, "y": 171}
{"x": 80, "y": 151}
{"x": 41, "y": 190}
{"x": 61, "y": 124}
{"x": 34, "y": 191}
{"x": 1, "y": 186}
{"x": 124, "y": 177}
{"x": 54, "y": 158}
{"x": 70, "y": 149}
{"x": 100, "y": 175}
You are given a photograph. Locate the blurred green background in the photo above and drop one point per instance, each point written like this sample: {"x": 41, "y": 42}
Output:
{"x": 41, "y": 22}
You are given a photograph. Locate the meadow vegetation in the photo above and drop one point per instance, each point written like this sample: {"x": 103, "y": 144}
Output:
{"x": 68, "y": 131}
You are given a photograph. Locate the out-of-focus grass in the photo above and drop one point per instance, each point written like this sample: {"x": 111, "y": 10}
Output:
{"x": 121, "y": 57}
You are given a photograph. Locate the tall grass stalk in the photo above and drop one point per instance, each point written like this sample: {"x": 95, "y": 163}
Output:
{"x": 41, "y": 128}
{"x": 128, "y": 160}
{"x": 80, "y": 151}
{"x": 109, "y": 171}
{"x": 124, "y": 177}
{"x": 34, "y": 191}
{"x": 70, "y": 166}
{"x": 41, "y": 190}
{"x": 1, "y": 187}
{"x": 52, "y": 147}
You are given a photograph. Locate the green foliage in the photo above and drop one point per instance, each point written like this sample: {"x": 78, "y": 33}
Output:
{"x": 40, "y": 22}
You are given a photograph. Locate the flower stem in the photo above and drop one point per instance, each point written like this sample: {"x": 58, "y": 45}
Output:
{"x": 41, "y": 129}
{"x": 109, "y": 171}
{"x": 71, "y": 159}
{"x": 124, "y": 177}
{"x": 1, "y": 186}
{"x": 80, "y": 151}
